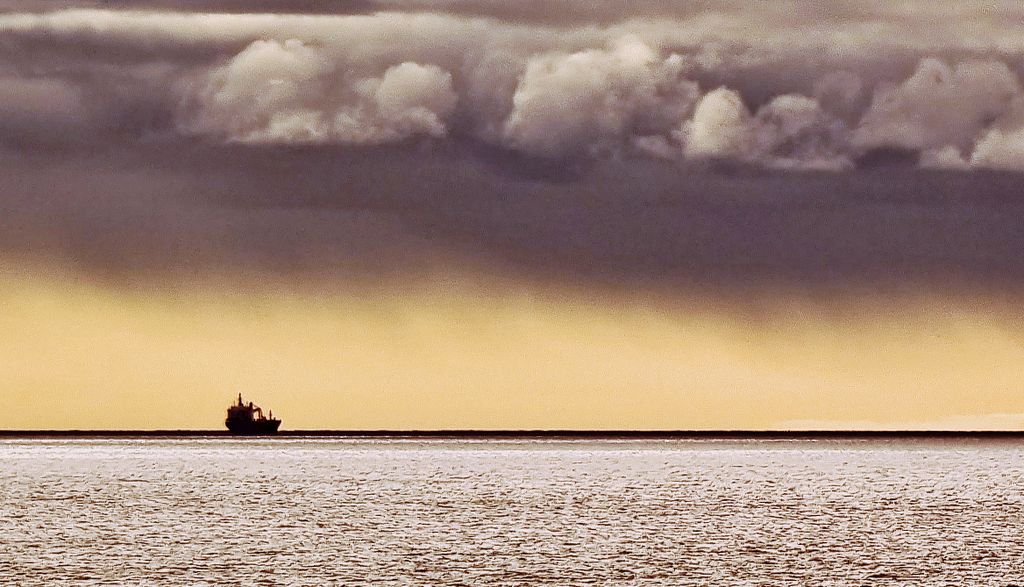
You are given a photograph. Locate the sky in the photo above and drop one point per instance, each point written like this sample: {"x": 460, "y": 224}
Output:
{"x": 569, "y": 214}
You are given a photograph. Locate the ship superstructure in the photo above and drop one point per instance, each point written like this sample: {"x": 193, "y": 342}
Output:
{"x": 247, "y": 418}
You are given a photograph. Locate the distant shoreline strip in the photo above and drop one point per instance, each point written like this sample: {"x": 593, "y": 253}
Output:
{"x": 541, "y": 434}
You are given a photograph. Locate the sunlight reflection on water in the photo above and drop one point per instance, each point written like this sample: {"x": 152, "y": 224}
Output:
{"x": 323, "y": 511}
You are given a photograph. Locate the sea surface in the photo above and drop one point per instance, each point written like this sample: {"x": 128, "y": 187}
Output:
{"x": 337, "y": 511}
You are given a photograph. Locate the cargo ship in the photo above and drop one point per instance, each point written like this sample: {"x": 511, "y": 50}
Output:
{"x": 248, "y": 419}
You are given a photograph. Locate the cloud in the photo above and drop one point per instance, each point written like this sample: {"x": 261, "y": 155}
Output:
{"x": 661, "y": 81}
{"x": 948, "y": 157}
{"x": 841, "y": 93}
{"x": 264, "y": 92}
{"x": 283, "y": 93}
{"x": 1000, "y": 149}
{"x": 720, "y": 128}
{"x": 794, "y": 132}
{"x": 343, "y": 215}
{"x": 593, "y": 99}
{"x": 790, "y": 132}
{"x": 287, "y": 144}
{"x": 408, "y": 99}
{"x": 938, "y": 105}
{"x": 40, "y": 108}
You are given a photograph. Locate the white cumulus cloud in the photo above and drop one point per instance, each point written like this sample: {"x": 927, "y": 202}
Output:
{"x": 290, "y": 92}
{"x": 572, "y": 102}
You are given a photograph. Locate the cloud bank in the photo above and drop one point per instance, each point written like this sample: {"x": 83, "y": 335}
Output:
{"x": 814, "y": 89}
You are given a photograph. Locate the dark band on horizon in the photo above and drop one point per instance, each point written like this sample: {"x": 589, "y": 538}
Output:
{"x": 356, "y": 214}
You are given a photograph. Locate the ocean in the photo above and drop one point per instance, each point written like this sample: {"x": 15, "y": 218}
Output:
{"x": 398, "y": 511}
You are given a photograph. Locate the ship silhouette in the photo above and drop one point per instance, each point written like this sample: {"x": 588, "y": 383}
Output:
{"x": 248, "y": 419}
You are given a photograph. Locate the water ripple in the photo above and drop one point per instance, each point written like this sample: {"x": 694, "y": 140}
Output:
{"x": 342, "y": 511}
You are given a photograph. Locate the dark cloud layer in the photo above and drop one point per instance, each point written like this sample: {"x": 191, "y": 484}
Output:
{"x": 351, "y": 214}
{"x": 654, "y": 142}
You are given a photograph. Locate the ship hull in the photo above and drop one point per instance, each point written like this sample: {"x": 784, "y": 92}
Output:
{"x": 253, "y": 427}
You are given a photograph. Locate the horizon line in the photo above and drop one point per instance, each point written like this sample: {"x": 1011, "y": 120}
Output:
{"x": 527, "y": 433}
